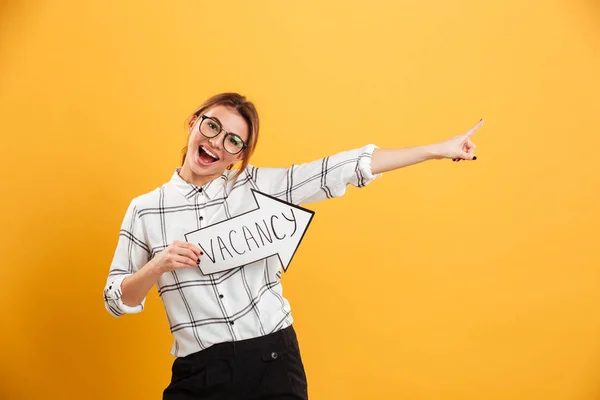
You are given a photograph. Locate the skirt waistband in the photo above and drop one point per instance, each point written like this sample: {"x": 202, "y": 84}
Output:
{"x": 280, "y": 340}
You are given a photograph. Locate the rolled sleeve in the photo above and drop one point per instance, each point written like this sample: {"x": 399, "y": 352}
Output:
{"x": 112, "y": 298}
{"x": 131, "y": 254}
{"x": 363, "y": 169}
{"x": 321, "y": 179}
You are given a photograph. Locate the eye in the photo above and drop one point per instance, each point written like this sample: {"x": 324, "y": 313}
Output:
{"x": 213, "y": 126}
{"x": 236, "y": 141}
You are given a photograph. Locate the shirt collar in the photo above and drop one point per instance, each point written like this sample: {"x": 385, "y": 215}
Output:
{"x": 189, "y": 190}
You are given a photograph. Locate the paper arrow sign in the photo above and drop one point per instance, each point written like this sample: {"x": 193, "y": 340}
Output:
{"x": 274, "y": 228}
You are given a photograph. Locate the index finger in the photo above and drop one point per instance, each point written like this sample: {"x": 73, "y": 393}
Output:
{"x": 192, "y": 247}
{"x": 471, "y": 131}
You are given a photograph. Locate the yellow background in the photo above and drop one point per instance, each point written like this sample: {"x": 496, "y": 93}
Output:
{"x": 441, "y": 281}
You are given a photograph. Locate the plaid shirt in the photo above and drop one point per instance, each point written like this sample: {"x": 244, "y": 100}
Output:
{"x": 237, "y": 304}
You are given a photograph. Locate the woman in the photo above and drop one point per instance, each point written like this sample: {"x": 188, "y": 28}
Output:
{"x": 233, "y": 330}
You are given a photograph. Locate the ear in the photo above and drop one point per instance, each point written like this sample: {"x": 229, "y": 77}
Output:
{"x": 192, "y": 122}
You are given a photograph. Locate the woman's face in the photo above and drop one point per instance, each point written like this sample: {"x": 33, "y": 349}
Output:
{"x": 207, "y": 157}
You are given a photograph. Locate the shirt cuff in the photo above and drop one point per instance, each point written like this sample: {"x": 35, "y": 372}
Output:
{"x": 364, "y": 164}
{"x": 113, "y": 293}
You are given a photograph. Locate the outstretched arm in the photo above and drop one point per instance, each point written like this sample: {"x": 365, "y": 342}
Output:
{"x": 330, "y": 176}
{"x": 457, "y": 148}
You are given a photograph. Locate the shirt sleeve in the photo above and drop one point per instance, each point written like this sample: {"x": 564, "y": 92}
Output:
{"x": 131, "y": 254}
{"x": 317, "y": 180}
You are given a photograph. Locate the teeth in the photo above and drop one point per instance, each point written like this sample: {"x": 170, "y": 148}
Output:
{"x": 209, "y": 153}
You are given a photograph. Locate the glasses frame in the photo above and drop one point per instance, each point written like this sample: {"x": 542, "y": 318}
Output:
{"x": 205, "y": 117}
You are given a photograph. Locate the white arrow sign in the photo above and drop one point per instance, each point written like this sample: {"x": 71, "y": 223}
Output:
{"x": 274, "y": 228}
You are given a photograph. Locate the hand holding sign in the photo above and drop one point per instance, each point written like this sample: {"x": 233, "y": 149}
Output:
{"x": 178, "y": 255}
{"x": 274, "y": 228}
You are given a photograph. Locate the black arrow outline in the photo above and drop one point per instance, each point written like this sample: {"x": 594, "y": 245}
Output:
{"x": 254, "y": 191}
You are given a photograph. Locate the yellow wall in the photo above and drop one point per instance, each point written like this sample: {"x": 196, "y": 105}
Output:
{"x": 442, "y": 281}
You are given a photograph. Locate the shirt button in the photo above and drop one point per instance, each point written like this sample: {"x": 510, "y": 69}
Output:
{"x": 231, "y": 323}
{"x": 200, "y": 190}
{"x": 274, "y": 355}
{"x": 201, "y": 218}
{"x": 221, "y": 296}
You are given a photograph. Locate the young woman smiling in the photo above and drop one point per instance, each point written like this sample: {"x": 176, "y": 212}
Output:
{"x": 233, "y": 333}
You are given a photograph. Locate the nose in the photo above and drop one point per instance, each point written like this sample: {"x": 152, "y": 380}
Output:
{"x": 215, "y": 142}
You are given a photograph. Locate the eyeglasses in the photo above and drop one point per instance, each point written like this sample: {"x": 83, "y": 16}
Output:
{"x": 232, "y": 143}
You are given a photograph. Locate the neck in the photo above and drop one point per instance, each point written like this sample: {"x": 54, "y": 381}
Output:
{"x": 199, "y": 180}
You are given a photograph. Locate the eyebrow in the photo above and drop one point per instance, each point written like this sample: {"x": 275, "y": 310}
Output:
{"x": 217, "y": 119}
{"x": 221, "y": 124}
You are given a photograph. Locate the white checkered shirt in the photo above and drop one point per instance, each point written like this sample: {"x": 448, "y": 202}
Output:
{"x": 237, "y": 304}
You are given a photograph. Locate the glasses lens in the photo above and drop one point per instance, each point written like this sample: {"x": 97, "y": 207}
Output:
{"x": 233, "y": 143}
{"x": 209, "y": 128}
